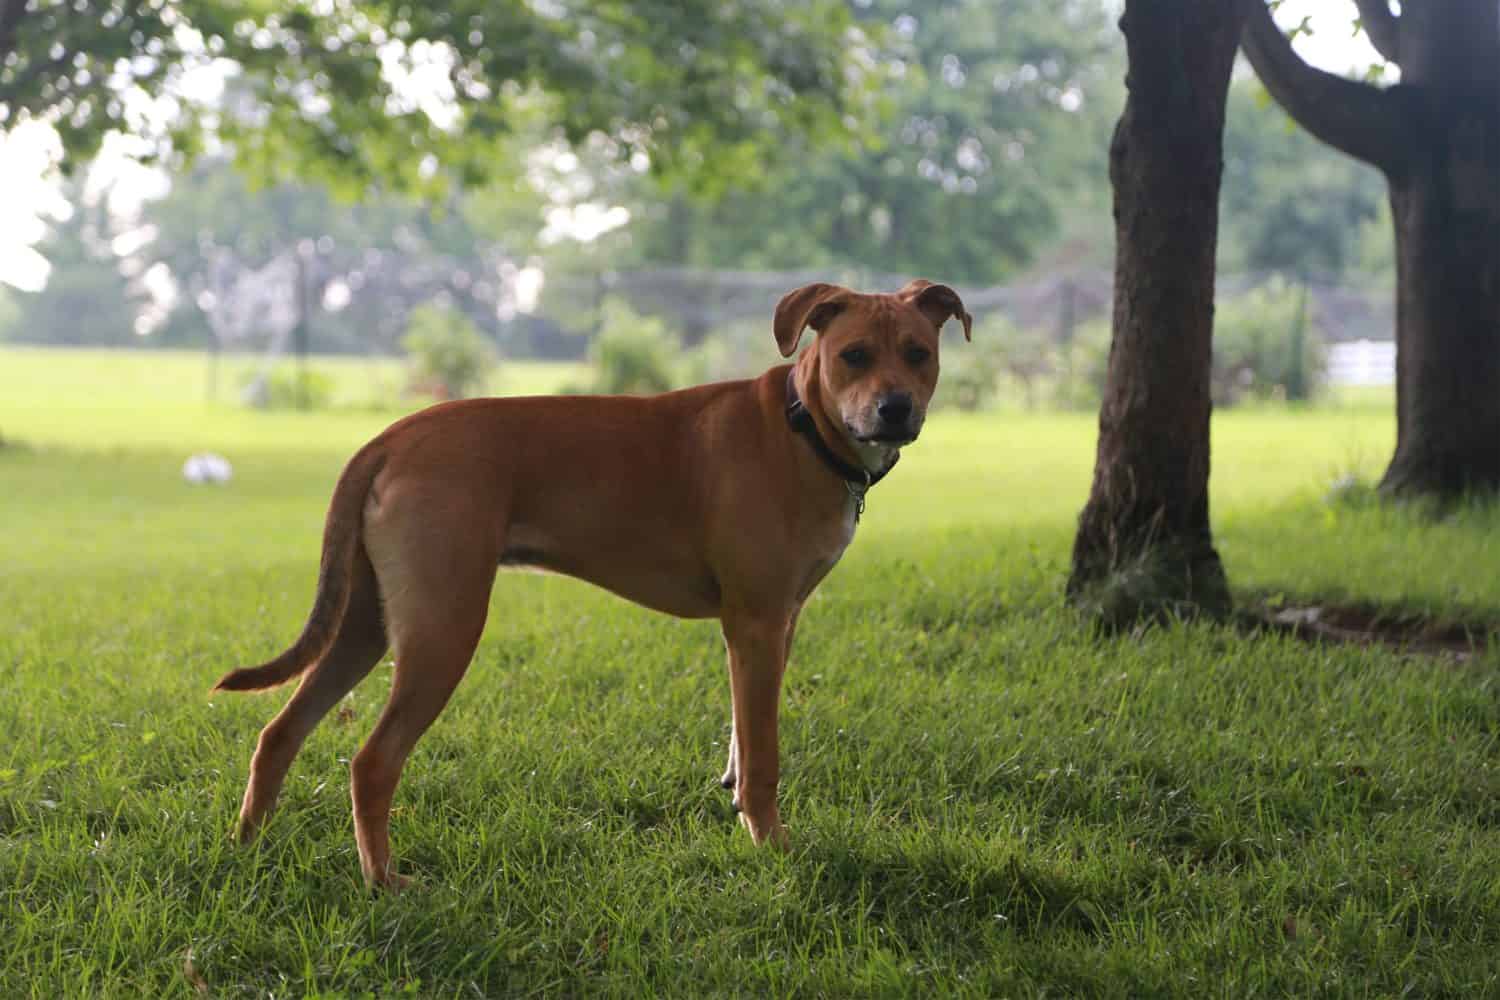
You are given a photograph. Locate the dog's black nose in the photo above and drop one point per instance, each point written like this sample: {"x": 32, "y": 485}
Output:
{"x": 895, "y": 408}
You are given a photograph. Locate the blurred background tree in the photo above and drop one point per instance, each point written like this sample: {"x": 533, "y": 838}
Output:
{"x": 375, "y": 93}
{"x": 88, "y": 301}
{"x": 986, "y": 148}
{"x": 959, "y": 139}
{"x": 1288, "y": 204}
{"x": 450, "y": 358}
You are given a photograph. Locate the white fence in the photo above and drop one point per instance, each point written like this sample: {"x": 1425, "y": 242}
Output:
{"x": 1362, "y": 362}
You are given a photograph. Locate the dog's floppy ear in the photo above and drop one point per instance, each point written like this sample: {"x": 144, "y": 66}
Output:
{"x": 809, "y": 306}
{"x": 938, "y": 303}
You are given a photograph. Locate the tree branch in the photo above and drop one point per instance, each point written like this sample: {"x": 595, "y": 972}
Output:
{"x": 10, "y": 20}
{"x": 1382, "y": 27}
{"x": 1355, "y": 118}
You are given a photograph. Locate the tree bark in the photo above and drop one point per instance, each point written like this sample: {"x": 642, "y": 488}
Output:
{"x": 1436, "y": 135}
{"x": 1445, "y": 203}
{"x": 1144, "y": 543}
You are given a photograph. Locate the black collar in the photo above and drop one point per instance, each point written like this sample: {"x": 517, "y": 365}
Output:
{"x": 801, "y": 422}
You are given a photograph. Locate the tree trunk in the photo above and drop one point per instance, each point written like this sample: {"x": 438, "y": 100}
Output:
{"x": 1436, "y": 136}
{"x": 1143, "y": 543}
{"x": 1446, "y": 207}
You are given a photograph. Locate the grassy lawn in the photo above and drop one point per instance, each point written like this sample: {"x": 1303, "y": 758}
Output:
{"x": 984, "y": 798}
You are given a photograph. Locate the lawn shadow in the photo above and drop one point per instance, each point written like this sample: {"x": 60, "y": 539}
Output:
{"x": 961, "y": 890}
{"x": 1461, "y": 637}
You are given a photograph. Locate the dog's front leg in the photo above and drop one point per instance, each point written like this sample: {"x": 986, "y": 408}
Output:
{"x": 730, "y": 778}
{"x": 757, "y": 659}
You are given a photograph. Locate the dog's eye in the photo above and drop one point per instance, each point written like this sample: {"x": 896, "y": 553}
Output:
{"x": 917, "y": 355}
{"x": 856, "y": 357}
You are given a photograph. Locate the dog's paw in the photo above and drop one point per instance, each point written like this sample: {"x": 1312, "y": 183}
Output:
{"x": 245, "y": 831}
{"x": 769, "y": 833}
{"x": 397, "y": 884}
{"x": 391, "y": 882}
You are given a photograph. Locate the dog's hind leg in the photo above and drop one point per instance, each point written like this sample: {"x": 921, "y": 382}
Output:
{"x": 356, "y": 648}
{"x": 437, "y": 596}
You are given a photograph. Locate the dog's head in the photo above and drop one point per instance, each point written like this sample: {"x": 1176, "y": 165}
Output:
{"x": 875, "y": 364}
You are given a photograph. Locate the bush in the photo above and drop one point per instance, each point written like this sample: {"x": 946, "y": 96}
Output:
{"x": 1002, "y": 357}
{"x": 450, "y": 358}
{"x": 1084, "y": 367}
{"x": 972, "y": 383}
{"x": 733, "y": 350}
{"x": 632, "y": 353}
{"x": 1263, "y": 347}
{"x": 971, "y": 377}
{"x": 288, "y": 387}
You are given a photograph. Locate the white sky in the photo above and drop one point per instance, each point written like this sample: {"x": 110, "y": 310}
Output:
{"x": 28, "y": 152}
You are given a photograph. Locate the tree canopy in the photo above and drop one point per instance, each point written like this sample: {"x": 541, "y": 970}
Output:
{"x": 362, "y": 91}
{"x": 990, "y": 134}
{"x": 986, "y": 158}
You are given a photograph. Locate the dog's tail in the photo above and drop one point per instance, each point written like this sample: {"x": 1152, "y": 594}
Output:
{"x": 341, "y": 536}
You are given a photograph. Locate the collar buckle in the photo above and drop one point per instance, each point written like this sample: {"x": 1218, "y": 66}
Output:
{"x": 857, "y": 494}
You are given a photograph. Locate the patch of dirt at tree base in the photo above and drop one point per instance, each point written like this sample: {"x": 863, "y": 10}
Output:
{"x": 1369, "y": 625}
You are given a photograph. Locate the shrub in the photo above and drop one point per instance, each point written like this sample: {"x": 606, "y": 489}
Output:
{"x": 1084, "y": 367}
{"x": 1003, "y": 356}
{"x": 288, "y": 387}
{"x": 972, "y": 376}
{"x": 450, "y": 358}
{"x": 1263, "y": 347}
{"x": 632, "y": 353}
{"x": 972, "y": 383}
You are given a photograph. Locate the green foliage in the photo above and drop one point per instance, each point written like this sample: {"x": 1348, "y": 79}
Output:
{"x": 289, "y": 386}
{"x": 391, "y": 252}
{"x": 632, "y": 354}
{"x": 1290, "y": 203}
{"x": 1001, "y": 356}
{"x": 970, "y": 384}
{"x": 736, "y": 350}
{"x": 1085, "y": 366}
{"x": 991, "y": 133}
{"x": 450, "y": 358}
{"x": 87, "y": 300}
{"x": 685, "y": 83}
{"x": 1264, "y": 347}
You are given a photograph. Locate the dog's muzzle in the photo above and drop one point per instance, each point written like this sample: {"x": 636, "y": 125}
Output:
{"x": 896, "y": 421}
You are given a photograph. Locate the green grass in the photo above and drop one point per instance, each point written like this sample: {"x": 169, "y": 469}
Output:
{"x": 985, "y": 798}
{"x": 98, "y": 399}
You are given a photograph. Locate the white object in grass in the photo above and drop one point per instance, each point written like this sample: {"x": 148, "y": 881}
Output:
{"x": 207, "y": 467}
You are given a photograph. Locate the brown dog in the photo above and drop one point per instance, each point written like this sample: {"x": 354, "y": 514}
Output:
{"x": 730, "y": 500}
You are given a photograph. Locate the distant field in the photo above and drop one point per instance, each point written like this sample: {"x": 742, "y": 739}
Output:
{"x": 178, "y": 399}
{"x": 985, "y": 798}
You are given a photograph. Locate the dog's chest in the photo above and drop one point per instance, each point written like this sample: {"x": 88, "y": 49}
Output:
{"x": 835, "y": 539}
{"x": 837, "y": 531}
{"x": 853, "y": 507}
